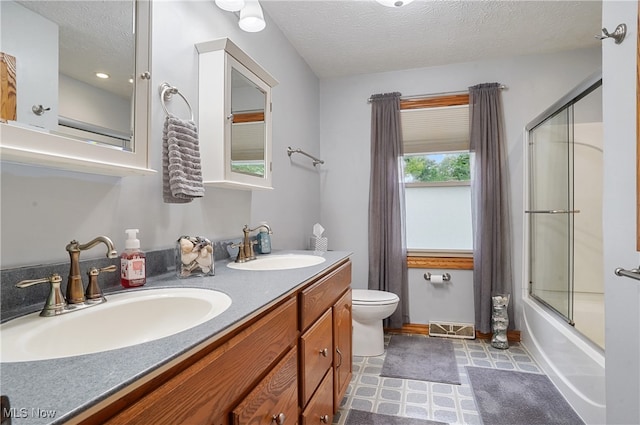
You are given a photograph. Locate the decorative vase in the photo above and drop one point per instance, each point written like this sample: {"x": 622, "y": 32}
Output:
{"x": 499, "y": 321}
{"x": 194, "y": 257}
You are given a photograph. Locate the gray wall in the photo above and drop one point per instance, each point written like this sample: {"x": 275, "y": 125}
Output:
{"x": 43, "y": 209}
{"x": 534, "y": 83}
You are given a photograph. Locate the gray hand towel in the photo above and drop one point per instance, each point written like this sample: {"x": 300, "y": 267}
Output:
{"x": 181, "y": 169}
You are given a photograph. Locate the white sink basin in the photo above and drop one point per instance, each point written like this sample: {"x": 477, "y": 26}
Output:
{"x": 278, "y": 262}
{"x": 126, "y": 319}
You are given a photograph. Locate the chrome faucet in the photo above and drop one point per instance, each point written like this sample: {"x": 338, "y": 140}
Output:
{"x": 77, "y": 298}
{"x": 245, "y": 248}
{"x": 75, "y": 288}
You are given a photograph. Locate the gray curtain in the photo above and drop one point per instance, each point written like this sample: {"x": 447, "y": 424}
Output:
{"x": 387, "y": 247}
{"x": 492, "y": 272}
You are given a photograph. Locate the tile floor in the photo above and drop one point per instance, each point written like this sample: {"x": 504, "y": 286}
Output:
{"x": 448, "y": 403}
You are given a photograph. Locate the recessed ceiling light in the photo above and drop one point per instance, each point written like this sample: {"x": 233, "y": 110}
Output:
{"x": 394, "y": 3}
{"x": 131, "y": 80}
{"x": 102, "y": 75}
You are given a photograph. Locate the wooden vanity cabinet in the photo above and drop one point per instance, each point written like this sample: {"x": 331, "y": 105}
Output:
{"x": 325, "y": 324}
{"x": 207, "y": 391}
{"x": 290, "y": 363}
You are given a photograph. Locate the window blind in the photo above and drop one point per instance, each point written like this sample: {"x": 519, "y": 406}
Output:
{"x": 440, "y": 129}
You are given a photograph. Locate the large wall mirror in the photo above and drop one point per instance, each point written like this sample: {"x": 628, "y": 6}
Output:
{"x": 75, "y": 86}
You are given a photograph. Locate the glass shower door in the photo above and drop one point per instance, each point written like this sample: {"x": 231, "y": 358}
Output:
{"x": 551, "y": 212}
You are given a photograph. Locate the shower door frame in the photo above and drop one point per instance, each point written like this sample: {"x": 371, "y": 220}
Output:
{"x": 551, "y": 223}
{"x": 580, "y": 91}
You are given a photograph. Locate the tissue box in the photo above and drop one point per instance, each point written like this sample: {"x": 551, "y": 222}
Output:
{"x": 318, "y": 244}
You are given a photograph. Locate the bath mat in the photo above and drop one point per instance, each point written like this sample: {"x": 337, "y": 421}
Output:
{"x": 421, "y": 358}
{"x": 360, "y": 417}
{"x": 512, "y": 398}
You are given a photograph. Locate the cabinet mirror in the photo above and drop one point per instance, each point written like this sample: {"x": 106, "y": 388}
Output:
{"x": 75, "y": 86}
{"x": 248, "y": 135}
{"x": 235, "y": 117}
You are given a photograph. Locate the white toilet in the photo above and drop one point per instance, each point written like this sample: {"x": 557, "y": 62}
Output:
{"x": 370, "y": 307}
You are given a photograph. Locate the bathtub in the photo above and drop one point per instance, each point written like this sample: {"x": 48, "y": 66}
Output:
{"x": 575, "y": 365}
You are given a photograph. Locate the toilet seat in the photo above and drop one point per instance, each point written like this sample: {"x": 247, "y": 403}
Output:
{"x": 372, "y": 297}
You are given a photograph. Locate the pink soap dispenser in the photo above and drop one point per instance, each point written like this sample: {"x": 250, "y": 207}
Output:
{"x": 133, "y": 270}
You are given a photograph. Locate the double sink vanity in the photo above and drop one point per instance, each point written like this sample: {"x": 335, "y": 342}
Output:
{"x": 267, "y": 341}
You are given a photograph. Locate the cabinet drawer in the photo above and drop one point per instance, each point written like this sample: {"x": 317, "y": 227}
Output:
{"x": 318, "y": 297}
{"x": 316, "y": 355}
{"x": 206, "y": 392}
{"x": 319, "y": 411}
{"x": 275, "y": 397}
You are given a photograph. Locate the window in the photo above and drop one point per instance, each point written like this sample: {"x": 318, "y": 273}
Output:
{"x": 439, "y": 167}
{"x": 438, "y": 202}
{"x": 437, "y": 175}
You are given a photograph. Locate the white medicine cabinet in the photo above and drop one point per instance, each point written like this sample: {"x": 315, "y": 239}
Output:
{"x": 234, "y": 117}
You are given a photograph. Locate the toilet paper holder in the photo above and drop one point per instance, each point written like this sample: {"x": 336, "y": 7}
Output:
{"x": 446, "y": 277}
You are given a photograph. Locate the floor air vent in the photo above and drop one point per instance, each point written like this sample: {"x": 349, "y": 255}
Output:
{"x": 452, "y": 330}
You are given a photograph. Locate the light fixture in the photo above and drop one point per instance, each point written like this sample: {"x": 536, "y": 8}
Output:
{"x": 102, "y": 75}
{"x": 251, "y": 17}
{"x": 394, "y": 3}
{"x": 230, "y": 5}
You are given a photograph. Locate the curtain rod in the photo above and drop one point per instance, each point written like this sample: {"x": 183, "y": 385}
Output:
{"x": 444, "y": 93}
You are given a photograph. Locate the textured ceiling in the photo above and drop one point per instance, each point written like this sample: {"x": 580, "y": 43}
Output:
{"x": 347, "y": 37}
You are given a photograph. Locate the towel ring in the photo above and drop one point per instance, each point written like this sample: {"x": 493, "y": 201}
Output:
{"x": 166, "y": 91}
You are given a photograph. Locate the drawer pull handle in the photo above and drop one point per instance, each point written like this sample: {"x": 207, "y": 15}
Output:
{"x": 324, "y": 419}
{"x": 279, "y": 419}
{"x": 324, "y": 352}
{"x": 339, "y": 354}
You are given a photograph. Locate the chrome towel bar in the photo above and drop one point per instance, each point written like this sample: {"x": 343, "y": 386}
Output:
{"x": 316, "y": 161}
{"x": 552, "y": 211}
{"x": 633, "y": 273}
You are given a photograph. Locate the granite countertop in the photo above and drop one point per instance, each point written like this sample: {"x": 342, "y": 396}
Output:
{"x": 54, "y": 391}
